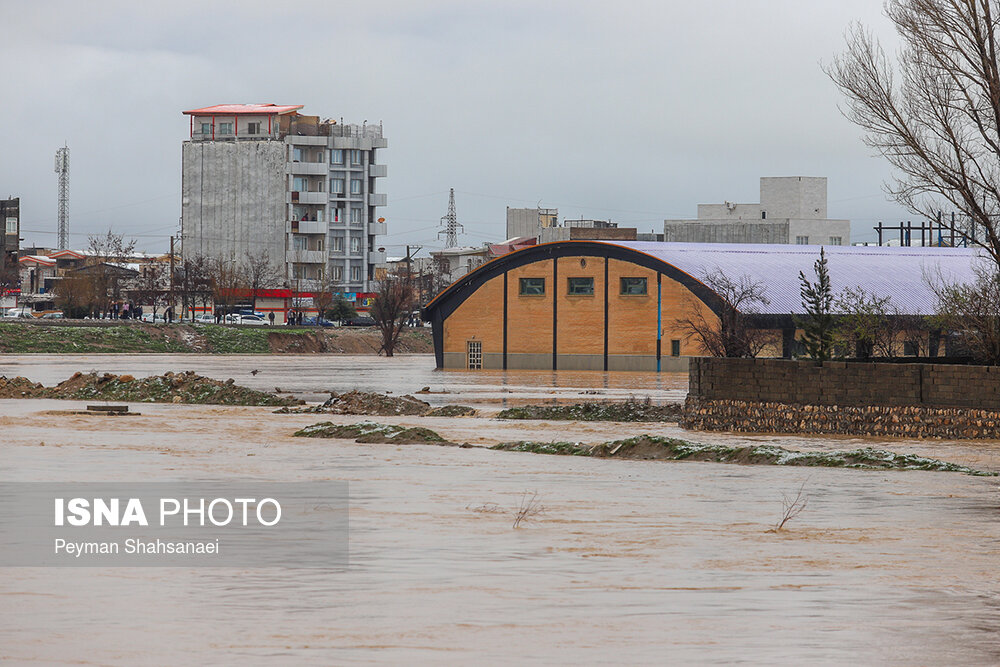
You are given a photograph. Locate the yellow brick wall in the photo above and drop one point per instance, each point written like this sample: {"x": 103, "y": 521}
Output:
{"x": 631, "y": 319}
{"x": 581, "y": 318}
{"x": 529, "y": 318}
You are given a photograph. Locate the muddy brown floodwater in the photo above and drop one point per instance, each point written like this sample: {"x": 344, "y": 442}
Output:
{"x": 630, "y": 562}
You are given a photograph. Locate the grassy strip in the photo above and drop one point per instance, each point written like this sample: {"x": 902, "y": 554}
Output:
{"x": 631, "y": 410}
{"x": 28, "y": 339}
{"x": 372, "y": 432}
{"x": 670, "y": 449}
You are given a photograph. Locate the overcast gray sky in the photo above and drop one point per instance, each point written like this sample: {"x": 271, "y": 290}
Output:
{"x": 632, "y": 110}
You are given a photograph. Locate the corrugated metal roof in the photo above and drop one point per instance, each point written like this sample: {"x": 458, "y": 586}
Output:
{"x": 899, "y": 273}
{"x": 229, "y": 109}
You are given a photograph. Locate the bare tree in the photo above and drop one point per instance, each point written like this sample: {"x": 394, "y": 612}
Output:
{"x": 323, "y": 296}
{"x": 108, "y": 256}
{"x": 971, "y": 312}
{"x": 151, "y": 287}
{"x": 865, "y": 323}
{"x": 259, "y": 272}
{"x": 935, "y": 115}
{"x": 227, "y": 282}
{"x": 391, "y": 308}
{"x": 731, "y": 333}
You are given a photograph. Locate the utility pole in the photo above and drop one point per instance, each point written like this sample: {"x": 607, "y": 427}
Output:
{"x": 172, "y": 273}
{"x": 450, "y": 223}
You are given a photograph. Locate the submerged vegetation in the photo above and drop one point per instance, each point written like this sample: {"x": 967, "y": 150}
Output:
{"x": 631, "y": 410}
{"x": 648, "y": 447}
{"x": 372, "y": 432}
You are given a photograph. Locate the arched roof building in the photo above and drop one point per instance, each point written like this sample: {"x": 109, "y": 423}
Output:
{"x": 596, "y": 305}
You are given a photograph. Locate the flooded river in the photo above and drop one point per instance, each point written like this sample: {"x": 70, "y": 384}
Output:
{"x": 630, "y": 561}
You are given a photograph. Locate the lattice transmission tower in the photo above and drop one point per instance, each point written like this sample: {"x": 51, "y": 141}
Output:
{"x": 450, "y": 223}
{"x": 62, "y": 168}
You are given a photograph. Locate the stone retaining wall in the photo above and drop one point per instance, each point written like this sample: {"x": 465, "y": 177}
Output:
{"x": 875, "y": 399}
{"x": 876, "y": 420}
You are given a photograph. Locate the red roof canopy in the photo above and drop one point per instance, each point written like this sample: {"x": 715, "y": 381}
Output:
{"x": 231, "y": 109}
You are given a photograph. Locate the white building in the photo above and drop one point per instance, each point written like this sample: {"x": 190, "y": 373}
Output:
{"x": 792, "y": 209}
{"x": 265, "y": 178}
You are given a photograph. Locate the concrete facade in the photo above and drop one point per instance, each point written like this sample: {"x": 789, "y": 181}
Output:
{"x": 792, "y": 210}
{"x": 266, "y": 178}
{"x": 523, "y": 222}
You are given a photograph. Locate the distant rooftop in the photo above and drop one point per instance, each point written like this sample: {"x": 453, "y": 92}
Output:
{"x": 231, "y": 109}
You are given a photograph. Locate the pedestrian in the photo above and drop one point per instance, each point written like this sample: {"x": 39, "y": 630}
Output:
{"x": 270, "y": 318}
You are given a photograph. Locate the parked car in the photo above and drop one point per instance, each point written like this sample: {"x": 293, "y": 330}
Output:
{"x": 255, "y": 313}
{"x": 204, "y": 318}
{"x": 13, "y": 313}
{"x": 149, "y": 318}
{"x": 360, "y": 321}
{"x": 252, "y": 320}
{"x": 53, "y": 316}
{"x": 317, "y": 321}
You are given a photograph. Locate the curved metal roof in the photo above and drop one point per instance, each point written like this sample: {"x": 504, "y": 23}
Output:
{"x": 899, "y": 273}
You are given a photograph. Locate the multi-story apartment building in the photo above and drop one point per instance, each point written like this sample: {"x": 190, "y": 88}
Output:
{"x": 263, "y": 178}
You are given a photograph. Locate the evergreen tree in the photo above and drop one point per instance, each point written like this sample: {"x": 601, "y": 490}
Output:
{"x": 817, "y": 299}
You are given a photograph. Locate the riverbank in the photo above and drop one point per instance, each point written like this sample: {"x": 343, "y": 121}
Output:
{"x": 90, "y": 337}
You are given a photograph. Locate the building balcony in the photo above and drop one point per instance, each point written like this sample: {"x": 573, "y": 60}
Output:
{"x": 309, "y": 197}
{"x": 376, "y": 199}
{"x": 378, "y": 228}
{"x": 308, "y": 227}
{"x": 305, "y": 257}
{"x": 309, "y": 168}
{"x": 376, "y": 257}
{"x": 376, "y": 170}
{"x": 302, "y": 140}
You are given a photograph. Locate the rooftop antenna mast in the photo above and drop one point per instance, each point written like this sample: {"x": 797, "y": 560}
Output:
{"x": 450, "y": 223}
{"x": 62, "y": 168}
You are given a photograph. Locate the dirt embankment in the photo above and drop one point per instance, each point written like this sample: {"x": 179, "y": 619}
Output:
{"x": 630, "y": 410}
{"x": 187, "y": 387}
{"x": 383, "y": 405}
{"x": 86, "y": 337}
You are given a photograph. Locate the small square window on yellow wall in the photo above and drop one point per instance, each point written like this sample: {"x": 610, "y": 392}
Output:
{"x": 531, "y": 286}
{"x": 580, "y": 286}
{"x": 633, "y": 286}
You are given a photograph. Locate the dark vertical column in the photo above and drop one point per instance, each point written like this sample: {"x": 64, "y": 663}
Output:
{"x": 787, "y": 339}
{"x": 555, "y": 311}
{"x": 659, "y": 320}
{"x": 606, "y": 288}
{"x": 505, "y": 320}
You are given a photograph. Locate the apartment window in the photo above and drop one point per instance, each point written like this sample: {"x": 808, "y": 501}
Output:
{"x": 355, "y": 186}
{"x": 763, "y": 216}
{"x": 300, "y": 184}
{"x": 206, "y": 128}
{"x": 226, "y": 128}
{"x": 338, "y": 274}
{"x": 531, "y": 286}
{"x": 336, "y": 215}
{"x": 474, "y": 349}
{"x": 299, "y": 243}
{"x": 297, "y": 155}
{"x": 355, "y": 244}
{"x": 355, "y": 274}
{"x": 836, "y": 240}
{"x": 253, "y": 128}
{"x": 298, "y": 271}
{"x": 675, "y": 348}
{"x": 338, "y": 244}
{"x": 337, "y": 156}
{"x": 12, "y": 225}
{"x": 355, "y": 157}
{"x": 355, "y": 216}
{"x": 337, "y": 186}
{"x": 634, "y": 286}
{"x": 911, "y": 348}
{"x": 581, "y": 287}
{"x": 801, "y": 240}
